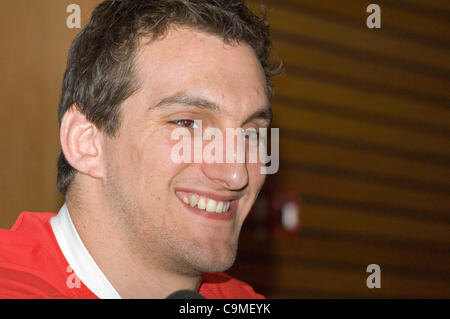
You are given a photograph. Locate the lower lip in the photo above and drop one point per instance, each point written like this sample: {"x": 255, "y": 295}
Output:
{"x": 217, "y": 216}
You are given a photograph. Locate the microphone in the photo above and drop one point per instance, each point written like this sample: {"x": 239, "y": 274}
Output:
{"x": 185, "y": 294}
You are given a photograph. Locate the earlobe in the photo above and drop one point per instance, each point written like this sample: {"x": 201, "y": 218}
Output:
{"x": 80, "y": 143}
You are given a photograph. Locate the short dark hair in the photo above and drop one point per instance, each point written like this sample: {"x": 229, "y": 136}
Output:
{"x": 100, "y": 67}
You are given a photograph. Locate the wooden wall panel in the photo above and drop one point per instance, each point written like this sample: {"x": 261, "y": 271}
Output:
{"x": 432, "y": 5}
{"x": 323, "y": 282}
{"x": 284, "y": 15}
{"x": 311, "y": 181}
{"x": 364, "y": 118}
{"x": 33, "y": 53}
{"x": 362, "y": 223}
{"x": 297, "y": 55}
{"x": 382, "y": 165}
{"x": 323, "y": 247}
{"x": 344, "y": 127}
{"x": 362, "y": 99}
{"x": 398, "y": 16}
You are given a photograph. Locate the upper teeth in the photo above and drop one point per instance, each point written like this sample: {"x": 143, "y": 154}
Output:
{"x": 210, "y": 205}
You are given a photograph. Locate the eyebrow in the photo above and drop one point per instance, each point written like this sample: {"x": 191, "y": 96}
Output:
{"x": 189, "y": 100}
{"x": 264, "y": 113}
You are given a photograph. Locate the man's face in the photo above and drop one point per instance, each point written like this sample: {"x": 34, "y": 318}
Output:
{"x": 146, "y": 190}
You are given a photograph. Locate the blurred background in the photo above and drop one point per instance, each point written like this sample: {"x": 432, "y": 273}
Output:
{"x": 364, "y": 118}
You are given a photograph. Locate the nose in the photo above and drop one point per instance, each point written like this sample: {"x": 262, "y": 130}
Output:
{"x": 230, "y": 170}
{"x": 233, "y": 176}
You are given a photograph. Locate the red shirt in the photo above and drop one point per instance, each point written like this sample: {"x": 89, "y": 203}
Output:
{"x": 33, "y": 266}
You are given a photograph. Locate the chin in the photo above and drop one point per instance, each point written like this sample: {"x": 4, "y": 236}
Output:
{"x": 217, "y": 261}
{"x": 217, "y": 266}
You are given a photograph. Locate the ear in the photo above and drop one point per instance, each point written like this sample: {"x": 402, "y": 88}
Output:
{"x": 81, "y": 143}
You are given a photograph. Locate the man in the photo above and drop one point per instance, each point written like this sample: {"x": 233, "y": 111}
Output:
{"x": 135, "y": 223}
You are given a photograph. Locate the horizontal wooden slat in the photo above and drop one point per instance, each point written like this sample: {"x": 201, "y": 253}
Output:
{"x": 368, "y": 177}
{"x": 370, "y": 148}
{"x": 316, "y": 184}
{"x": 310, "y": 254}
{"x": 300, "y": 22}
{"x": 441, "y": 5}
{"x": 329, "y": 124}
{"x": 296, "y": 54}
{"x": 363, "y": 116}
{"x": 373, "y": 224}
{"x": 358, "y": 54}
{"x": 393, "y": 17}
{"x": 300, "y": 278}
{"x": 299, "y": 150}
{"x": 433, "y": 101}
{"x": 328, "y": 280}
{"x": 305, "y": 87}
{"x": 344, "y": 250}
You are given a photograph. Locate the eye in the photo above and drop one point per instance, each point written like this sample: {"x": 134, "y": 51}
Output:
{"x": 251, "y": 133}
{"x": 186, "y": 123}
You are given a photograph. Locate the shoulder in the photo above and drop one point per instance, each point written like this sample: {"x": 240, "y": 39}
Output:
{"x": 224, "y": 286}
{"x": 30, "y": 233}
{"x": 29, "y": 259}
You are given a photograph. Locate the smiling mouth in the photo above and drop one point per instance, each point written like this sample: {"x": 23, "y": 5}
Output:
{"x": 203, "y": 204}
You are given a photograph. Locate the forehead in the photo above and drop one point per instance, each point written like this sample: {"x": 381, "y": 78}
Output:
{"x": 200, "y": 63}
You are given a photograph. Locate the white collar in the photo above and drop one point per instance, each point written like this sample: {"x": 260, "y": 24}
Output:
{"x": 78, "y": 256}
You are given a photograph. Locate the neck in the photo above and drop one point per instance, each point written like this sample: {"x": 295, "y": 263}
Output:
{"x": 132, "y": 273}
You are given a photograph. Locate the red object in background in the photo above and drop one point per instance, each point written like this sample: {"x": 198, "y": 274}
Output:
{"x": 285, "y": 213}
{"x": 277, "y": 212}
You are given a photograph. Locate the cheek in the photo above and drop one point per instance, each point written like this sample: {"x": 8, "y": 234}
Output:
{"x": 125, "y": 158}
{"x": 143, "y": 165}
{"x": 142, "y": 152}
{"x": 152, "y": 164}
